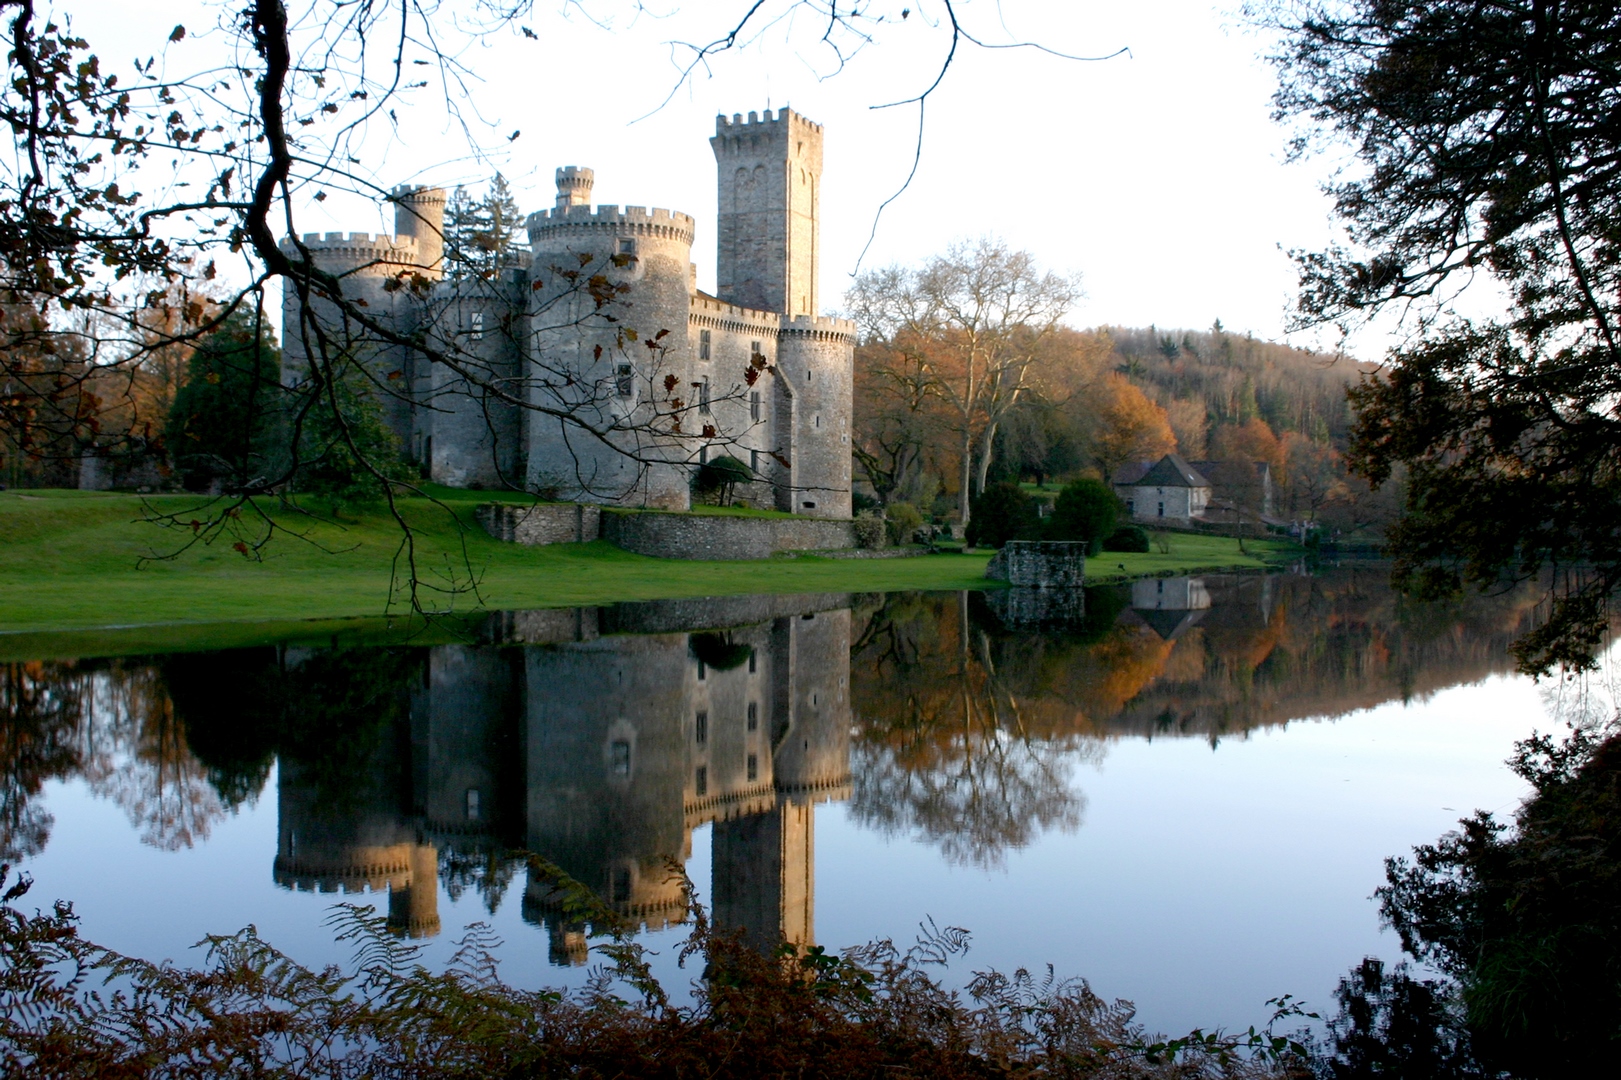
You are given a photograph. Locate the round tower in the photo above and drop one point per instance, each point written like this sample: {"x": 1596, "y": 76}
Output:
{"x": 419, "y": 212}
{"x": 591, "y": 340}
{"x": 574, "y": 186}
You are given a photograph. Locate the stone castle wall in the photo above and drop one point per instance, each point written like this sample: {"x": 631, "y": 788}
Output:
{"x": 706, "y": 536}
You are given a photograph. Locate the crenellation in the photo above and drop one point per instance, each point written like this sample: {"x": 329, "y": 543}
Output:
{"x": 788, "y": 418}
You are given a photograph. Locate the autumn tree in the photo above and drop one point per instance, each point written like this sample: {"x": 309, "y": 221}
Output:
{"x": 1127, "y": 426}
{"x": 977, "y": 318}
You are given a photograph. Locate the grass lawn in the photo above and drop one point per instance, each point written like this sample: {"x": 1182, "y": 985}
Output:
{"x": 73, "y": 561}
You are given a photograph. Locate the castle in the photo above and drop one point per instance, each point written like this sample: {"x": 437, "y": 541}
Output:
{"x": 591, "y": 369}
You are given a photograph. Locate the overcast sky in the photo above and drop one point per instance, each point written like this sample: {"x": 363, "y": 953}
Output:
{"x": 1158, "y": 175}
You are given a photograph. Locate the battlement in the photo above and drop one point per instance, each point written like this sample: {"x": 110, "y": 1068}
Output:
{"x": 820, "y": 327}
{"x": 627, "y": 221}
{"x": 706, "y": 310}
{"x": 756, "y": 124}
{"x": 357, "y": 240}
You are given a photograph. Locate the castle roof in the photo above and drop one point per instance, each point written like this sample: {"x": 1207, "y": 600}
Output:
{"x": 1172, "y": 470}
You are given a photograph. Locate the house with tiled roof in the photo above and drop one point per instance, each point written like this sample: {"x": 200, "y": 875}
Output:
{"x": 1169, "y": 490}
{"x": 1174, "y": 491}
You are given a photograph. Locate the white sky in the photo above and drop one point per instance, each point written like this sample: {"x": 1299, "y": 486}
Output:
{"x": 1158, "y": 175}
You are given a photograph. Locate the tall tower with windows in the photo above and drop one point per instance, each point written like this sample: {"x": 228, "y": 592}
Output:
{"x": 769, "y": 172}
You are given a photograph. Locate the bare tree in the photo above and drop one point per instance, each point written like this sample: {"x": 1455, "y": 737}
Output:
{"x": 977, "y": 317}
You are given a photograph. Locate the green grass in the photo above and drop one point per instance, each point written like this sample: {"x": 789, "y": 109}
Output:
{"x": 77, "y": 561}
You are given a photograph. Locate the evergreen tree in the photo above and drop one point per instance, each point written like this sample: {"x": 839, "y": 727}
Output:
{"x": 482, "y": 235}
{"x": 228, "y": 422}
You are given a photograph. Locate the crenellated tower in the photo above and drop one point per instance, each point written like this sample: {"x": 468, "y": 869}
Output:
{"x": 769, "y": 173}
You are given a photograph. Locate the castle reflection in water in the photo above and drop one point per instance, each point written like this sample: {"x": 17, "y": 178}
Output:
{"x": 600, "y": 739}
{"x": 601, "y": 748}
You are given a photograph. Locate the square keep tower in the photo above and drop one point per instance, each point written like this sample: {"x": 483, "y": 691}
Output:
{"x": 770, "y": 176}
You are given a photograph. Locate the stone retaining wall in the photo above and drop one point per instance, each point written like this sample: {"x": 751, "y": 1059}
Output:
{"x": 542, "y": 523}
{"x": 705, "y": 536}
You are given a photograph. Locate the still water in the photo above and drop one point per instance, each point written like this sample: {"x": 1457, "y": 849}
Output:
{"x": 1184, "y": 794}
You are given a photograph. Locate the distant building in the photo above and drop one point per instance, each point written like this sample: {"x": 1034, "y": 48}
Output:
{"x": 1175, "y": 491}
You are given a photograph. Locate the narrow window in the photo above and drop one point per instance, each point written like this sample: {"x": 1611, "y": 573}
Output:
{"x": 754, "y": 716}
{"x": 700, "y": 781}
{"x": 1161, "y": 509}
{"x": 478, "y": 326}
{"x": 1131, "y": 506}
{"x": 700, "y": 727}
{"x": 807, "y": 376}
{"x": 703, "y": 344}
{"x": 754, "y": 460}
{"x": 754, "y": 767}
{"x": 619, "y": 758}
{"x": 624, "y": 381}
{"x": 703, "y": 395}
{"x": 751, "y": 663}
{"x": 817, "y": 420}
{"x": 472, "y": 804}
{"x": 1159, "y": 585}
{"x": 703, "y": 671}
{"x": 754, "y": 406}
{"x": 621, "y": 885}
{"x": 703, "y": 454}
{"x": 754, "y": 350}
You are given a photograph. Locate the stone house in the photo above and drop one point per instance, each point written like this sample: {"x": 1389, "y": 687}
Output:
{"x": 555, "y": 392}
{"x": 1175, "y": 491}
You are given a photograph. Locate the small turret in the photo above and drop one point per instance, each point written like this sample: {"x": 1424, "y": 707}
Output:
{"x": 420, "y": 212}
{"x": 574, "y": 186}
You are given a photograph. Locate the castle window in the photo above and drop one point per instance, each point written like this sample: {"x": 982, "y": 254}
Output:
{"x": 1161, "y": 509}
{"x": 754, "y": 715}
{"x": 703, "y": 671}
{"x": 627, "y": 246}
{"x": 700, "y": 727}
{"x": 619, "y": 758}
{"x": 1131, "y": 506}
{"x": 703, "y": 344}
{"x": 754, "y": 460}
{"x": 703, "y": 395}
{"x": 472, "y": 804}
{"x": 754, "y": 767}
{"x": 751, "y": 671}
{"x": 478, "y": 326}
{"x": 624, "y": 382}
{"x": 809, "y": 505}
{"x": 816, "y": 421}
{"x": 754, "y": 406}
{"x": 703, "y": 459}
{"x": 700, "y": 781}
{"x": 754, "y": 350}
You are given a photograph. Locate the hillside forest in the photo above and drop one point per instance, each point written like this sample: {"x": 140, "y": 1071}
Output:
{"x": 1089, "y": 401}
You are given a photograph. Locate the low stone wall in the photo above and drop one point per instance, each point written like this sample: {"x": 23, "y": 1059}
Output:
{"x": 542, "y": 523}
{"x": 706, "y": 536}
{"x": 1040, "y": 564}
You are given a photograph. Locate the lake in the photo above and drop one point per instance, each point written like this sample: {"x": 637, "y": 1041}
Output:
{"x": 1184, "y": 792}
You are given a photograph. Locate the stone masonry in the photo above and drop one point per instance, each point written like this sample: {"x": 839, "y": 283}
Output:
{"x": 556, "y": 394}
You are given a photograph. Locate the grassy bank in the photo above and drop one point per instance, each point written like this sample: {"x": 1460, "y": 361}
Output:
{"x": 72, "y": 561}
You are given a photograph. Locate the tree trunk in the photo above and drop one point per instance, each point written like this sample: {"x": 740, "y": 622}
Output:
{"x": 986, "y": 444}
{"x": 964, "y": 497}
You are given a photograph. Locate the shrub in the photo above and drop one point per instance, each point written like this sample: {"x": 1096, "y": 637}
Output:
{"x": 1127, "y": 538}
{"x": 869, "y": 529}
{"x": 1085, "y": 510}
{"x": 904, "y": 522}
{"x": 1000, "y": 513}
{"x": 876, "y": 1010}
{"x": 718, "y": 479}
{"x": 329, "y": 467}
